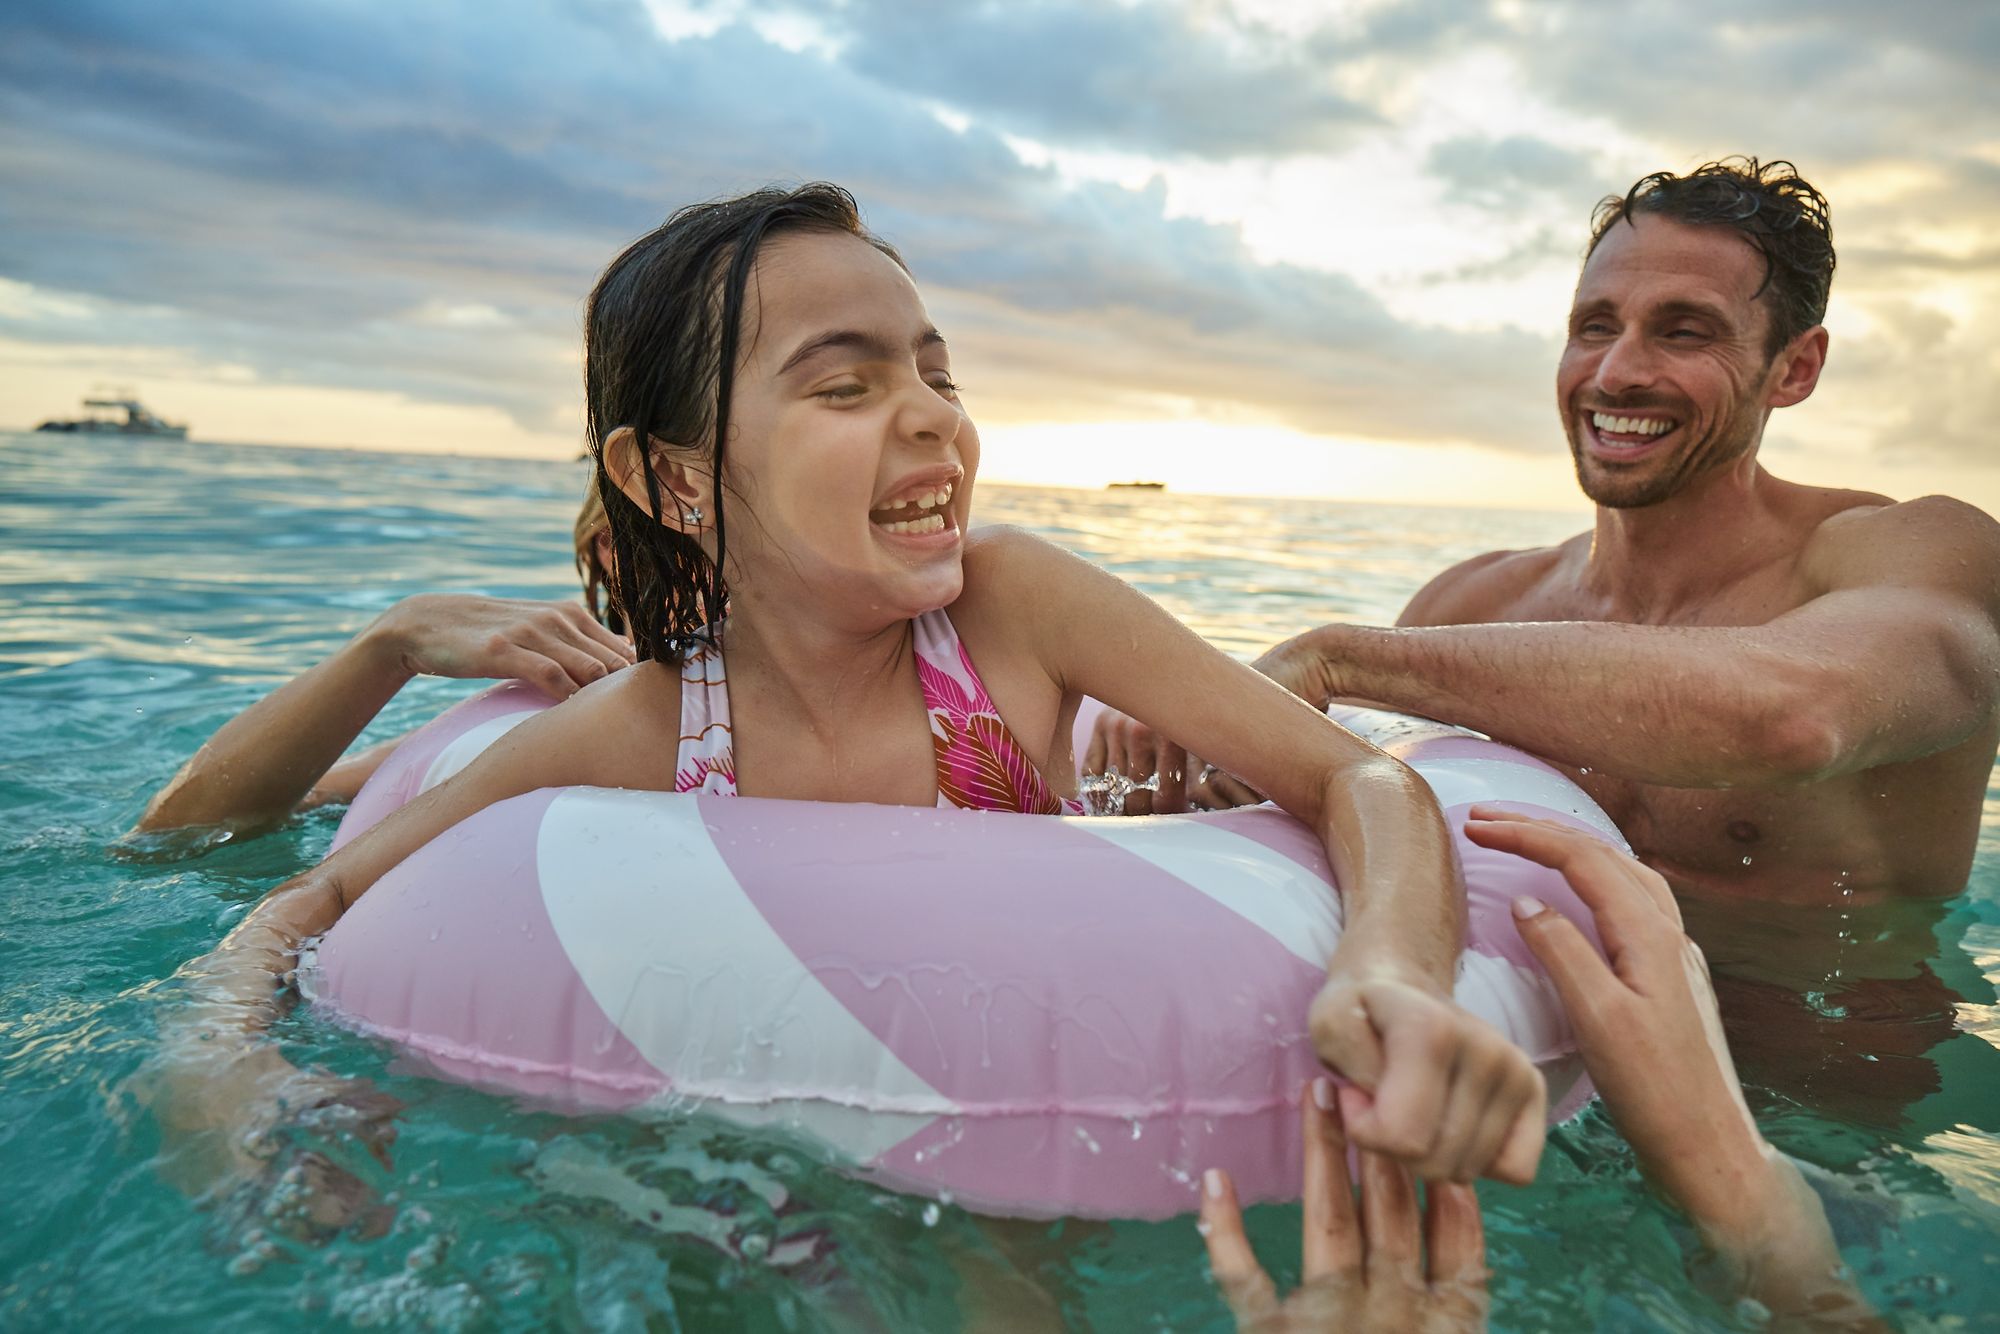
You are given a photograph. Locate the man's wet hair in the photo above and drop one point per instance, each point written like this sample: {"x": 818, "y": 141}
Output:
{"x": 1770, "y": 205}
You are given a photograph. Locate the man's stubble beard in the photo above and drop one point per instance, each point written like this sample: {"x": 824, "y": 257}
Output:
{"x": 1610, "y": 490}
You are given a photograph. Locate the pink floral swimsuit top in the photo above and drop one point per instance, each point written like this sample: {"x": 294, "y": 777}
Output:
{"x": 980, "y": 766}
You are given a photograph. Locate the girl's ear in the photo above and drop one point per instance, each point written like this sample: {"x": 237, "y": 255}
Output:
{"x": 685, "y": 486}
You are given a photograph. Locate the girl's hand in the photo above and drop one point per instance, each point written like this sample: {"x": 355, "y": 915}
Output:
{"x": 1365, "y": 1266}
{"x": 1440, "y": 1091}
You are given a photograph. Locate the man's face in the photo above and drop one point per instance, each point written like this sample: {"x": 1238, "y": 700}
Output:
{"x": 1664, "y": 377}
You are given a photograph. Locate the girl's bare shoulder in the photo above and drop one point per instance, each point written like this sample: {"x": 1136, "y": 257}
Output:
{"x": 622, "y": 731}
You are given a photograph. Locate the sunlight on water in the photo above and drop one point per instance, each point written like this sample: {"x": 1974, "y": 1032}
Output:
{"x": 152, "y": 590}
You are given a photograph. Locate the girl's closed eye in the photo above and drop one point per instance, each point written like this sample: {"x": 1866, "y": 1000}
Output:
{"x": 841, "y": 392}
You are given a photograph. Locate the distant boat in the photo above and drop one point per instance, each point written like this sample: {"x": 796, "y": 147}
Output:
{"x": 137, "y": 421}
{"x": 1136, "y": 486}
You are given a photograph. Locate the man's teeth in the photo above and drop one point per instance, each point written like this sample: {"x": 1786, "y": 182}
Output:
{"x": 930, "y": 523}
{"x": 1604, "y": 421}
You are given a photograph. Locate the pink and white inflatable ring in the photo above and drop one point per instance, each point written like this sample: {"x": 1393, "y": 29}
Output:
{"x": 1029, "y": 1015}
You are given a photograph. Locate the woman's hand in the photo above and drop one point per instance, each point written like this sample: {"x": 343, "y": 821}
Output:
{"x": 1651, "y": 1037}
{"x": 1646, "y": 1021}
{"x": 1374, "y": 1266}
{"x": 554, "y": 646}
{"x": 248, "y": 1131}
{"x": 1442, "y": 1092}
{"x": 238, "y": 1121}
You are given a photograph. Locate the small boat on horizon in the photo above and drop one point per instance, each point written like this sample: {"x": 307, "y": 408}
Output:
{"x": 1135, "y": 486}
{"x": 137, "y": 421}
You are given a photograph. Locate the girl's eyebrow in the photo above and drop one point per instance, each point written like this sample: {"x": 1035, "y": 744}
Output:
{"x": 868, "y": 344}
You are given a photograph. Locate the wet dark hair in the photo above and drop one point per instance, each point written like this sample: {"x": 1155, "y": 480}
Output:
{"x": 662, "y": 342}
{"x": 1770, "y": 205}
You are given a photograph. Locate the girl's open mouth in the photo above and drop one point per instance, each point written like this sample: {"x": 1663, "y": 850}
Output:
{"x": 921, "y": 513}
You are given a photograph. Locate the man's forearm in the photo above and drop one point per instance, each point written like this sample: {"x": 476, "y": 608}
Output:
{"x": 1670, "y": 705}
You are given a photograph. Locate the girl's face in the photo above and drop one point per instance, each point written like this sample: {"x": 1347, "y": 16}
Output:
{"x": 850, "y": 460}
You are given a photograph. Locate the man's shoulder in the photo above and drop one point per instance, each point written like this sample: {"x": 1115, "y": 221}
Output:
{"x": 1935, "y": 540}
{"x": 1490, "y": 586}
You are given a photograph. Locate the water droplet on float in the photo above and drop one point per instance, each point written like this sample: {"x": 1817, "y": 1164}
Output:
{"x": 1746, "y": 861}
{"x": 931, "y": 1215}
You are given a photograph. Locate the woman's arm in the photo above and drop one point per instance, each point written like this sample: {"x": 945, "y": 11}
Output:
{"x": 1651, "y": 1038}
{"x": 1436, "y": 1088}
{"x": 281, "y": 751}
{"x": 217, "y": 1082}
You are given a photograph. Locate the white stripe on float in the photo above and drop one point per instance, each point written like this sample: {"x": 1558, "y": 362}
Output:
{"x": 670, "y": 947}
{"x": 1520, "y": 1002}
{"x": 1283, "y": 899}
{"x": 1462, "y": 780}
{"x": 469, "y": 745}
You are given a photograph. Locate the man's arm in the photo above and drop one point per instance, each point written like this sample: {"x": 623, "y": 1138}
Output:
{"x": 1897, "y": 657}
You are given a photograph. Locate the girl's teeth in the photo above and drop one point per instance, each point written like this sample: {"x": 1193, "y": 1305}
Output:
{"x": 930, "y": 523}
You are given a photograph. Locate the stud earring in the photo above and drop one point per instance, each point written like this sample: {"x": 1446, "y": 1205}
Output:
{"x": 693, "y": 515}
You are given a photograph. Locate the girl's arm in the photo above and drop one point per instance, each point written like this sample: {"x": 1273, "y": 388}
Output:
{"x": 1434, "y": 1086}
{"x": 258, "y": 768}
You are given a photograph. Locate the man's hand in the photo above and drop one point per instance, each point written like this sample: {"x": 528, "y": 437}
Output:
{"x": 1365, "y": 1268}
{"x": 554, "y": 646}
{"x": 1123, "y": 745}
{"x": 1301, "y": 669}
{"x": 1440, "y": 1091}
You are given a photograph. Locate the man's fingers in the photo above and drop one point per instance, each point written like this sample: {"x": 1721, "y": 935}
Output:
{"x": 1172, "y": 797}
{"x": 1245, "y": 1285}
{"x": 1389, "y": 1219}
{"x": 1456, "y": 1240}
{"x": 1454, "y": 1236}
{"x": 1097, "y": 754}
{"x": 1331, "y": 1235}
{"x": 1225, "y": 791}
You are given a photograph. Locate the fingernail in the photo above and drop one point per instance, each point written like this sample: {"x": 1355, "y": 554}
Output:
{"x": 1323, "y": 1093}
{"x": 1211, "y": 1184}
{"x": 1529, "y": 906}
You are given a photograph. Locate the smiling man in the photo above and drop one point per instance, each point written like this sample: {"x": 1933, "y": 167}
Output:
{"x": 1787, "y": 696}
{"x": 1779, "y": 691}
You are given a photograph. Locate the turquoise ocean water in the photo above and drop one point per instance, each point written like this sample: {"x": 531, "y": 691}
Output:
{"x": 151, "y": 590}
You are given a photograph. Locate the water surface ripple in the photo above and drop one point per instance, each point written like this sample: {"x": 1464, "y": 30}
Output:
{"x": 148, "y": 591}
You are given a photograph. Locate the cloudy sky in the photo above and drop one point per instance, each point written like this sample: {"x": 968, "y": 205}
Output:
{"x": 1239, "y": 245}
